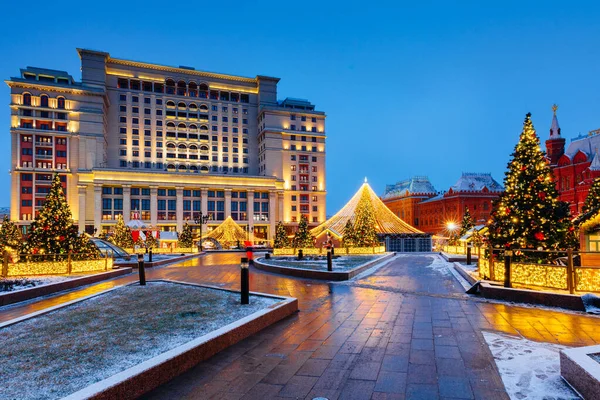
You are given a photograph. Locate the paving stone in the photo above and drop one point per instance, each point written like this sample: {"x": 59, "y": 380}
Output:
{"x": 422, "y": 357}
{"x": 365, "y": 371}
{"x": 391, "y": 382}
{"x": 313, "y": 367}
{"x": 447, "y": 352}
{"x": 421, "y": 392}
{"x": 422, "y": 373}
{"x": 357, "y": 390}
{"x": 455, "y": 387}
{"x": 421, "y": 344}
{"x": 298, "y": 386}
{"x": 395, "y": 363}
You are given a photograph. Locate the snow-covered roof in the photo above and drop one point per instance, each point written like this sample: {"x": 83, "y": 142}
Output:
{"x": 586, "y": 144}
{"x": 136, "y": 224}
{"x": 414, "y": 185}
{"x": 165, "y": 235}
{"x": 475, "y": 182}
{"x": 595, "y": 165}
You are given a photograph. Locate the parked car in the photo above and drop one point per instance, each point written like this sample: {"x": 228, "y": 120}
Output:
{"x": 109, "y": 249}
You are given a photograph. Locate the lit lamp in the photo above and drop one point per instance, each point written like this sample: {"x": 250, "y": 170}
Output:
{"x": 245, "y": 281}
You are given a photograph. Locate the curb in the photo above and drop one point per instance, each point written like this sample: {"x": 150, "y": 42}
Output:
{"x": 560, "y": 300}
{"x": 319, "y": 275}
{"x": 458, "y": 268}
{"x": 134, "y": 264}
{"x": 39, "y": 291}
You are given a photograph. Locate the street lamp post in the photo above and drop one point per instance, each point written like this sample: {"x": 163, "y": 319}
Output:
{"x": 200, "y": 219}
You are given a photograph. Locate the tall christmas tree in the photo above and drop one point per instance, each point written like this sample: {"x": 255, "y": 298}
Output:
{"x": 365, "y": 233}
{"x": 122, "y": 234}
{"x": 10, "y": 236}
{"x": 281, "y": 239}
{"x": 528, "y": 213}
{"x": 53, "y": 232}
{"x": 151, "y": 241}
{"x": 467, "y": 223}
{"x": 349, "y": 238}
{"x": 303, "y": 237}
{"x": 591, "y": 207}
{"x": 186, "y": 238}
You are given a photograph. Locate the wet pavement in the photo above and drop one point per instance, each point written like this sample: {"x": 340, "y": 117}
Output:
{"x": 407, "y": 331}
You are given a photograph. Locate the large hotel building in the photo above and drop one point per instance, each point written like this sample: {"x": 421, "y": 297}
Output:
{"x": 165, "y": 144}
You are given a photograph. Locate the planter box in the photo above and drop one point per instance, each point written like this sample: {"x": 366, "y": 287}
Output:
{"x": 581, "y": 371}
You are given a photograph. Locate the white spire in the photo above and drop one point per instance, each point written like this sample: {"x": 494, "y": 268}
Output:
{"x": 365, "y": 179}
{"x": 595, "y": 165}
{"x": 554, "y": 128}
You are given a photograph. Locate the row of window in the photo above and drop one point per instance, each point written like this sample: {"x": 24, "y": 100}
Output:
{"x": 182, "y": 89}
{"x": 303, "y": 128}
{"x": 44, "y": 101}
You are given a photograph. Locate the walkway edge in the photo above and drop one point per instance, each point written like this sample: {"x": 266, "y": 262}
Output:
{"x": 150, "y": 374}
{"x": 39, "y": 291}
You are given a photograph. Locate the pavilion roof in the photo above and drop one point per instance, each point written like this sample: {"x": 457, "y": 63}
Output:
{"x": 386, "y": 220}
{"x": 228, "y": 232}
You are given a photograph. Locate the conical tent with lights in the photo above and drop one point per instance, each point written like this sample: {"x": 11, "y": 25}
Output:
{"x": 228, "y": 234}
{"x": 396, "y": 234}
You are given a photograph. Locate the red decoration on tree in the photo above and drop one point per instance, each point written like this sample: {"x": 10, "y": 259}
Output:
{"x": 542, "y": 195}
{"x": 523, "y": 168}
{"x": 539, "y": 236}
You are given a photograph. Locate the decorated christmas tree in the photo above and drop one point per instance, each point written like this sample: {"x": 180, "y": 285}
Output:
{"x": 281, "y": 239}
{"x": 303, "y": 237}
{"x": 365, "y": 233}
{"x": 591, "y": 207}
{"x": 186, "y": 238}
{"x": 53, "y": 233}
{"x": 122, "y": 234}
{"x": 466, "y": 224}
{"x": 10, "y": 236}
{"x": 349, "y": 238}
{"x": 528, "y": 213}
{"x": 151, "y": 241}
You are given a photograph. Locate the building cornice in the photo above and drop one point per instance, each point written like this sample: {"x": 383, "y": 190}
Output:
{"x": 25, "y": 84}
{"x": 185, "y": 71}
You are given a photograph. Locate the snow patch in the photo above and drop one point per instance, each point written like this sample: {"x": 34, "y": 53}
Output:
{"x": 17, "y": 284}
{"x": 591, "y": 303}
{"x": 438, "y": 264}
{"x": 529, "y": 370}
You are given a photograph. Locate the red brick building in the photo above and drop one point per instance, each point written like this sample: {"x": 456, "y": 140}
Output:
{"x": 574, "y": 168}
{"x": 431, "y": 212}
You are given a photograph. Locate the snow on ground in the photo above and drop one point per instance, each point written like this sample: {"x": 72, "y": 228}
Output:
{"x": 16, "y": 284}
{"x": 342, "y": 263}
{"x": 56, "y": 354}
{"x": 529, "y": 370}
{"x": 440, "y": 265}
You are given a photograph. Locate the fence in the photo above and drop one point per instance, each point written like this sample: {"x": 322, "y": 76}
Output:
{"x": 166, "y": 250}
{"x": 563, "y": 274}
{"x": 339, "y": 251}
{"x": 52, "y": 264}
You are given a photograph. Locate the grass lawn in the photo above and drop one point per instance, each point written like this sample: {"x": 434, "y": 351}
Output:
{"x": 58, "y": 353}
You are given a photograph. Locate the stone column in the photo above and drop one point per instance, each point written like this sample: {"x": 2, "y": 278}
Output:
{"x": 250, "y": 209}
{"x": 126, "y": 203}
{"x": 179, "y": 209}
{"x": 280, "y": 215}
{"x": 204, "y": 201}
{"x": 272, "y": 213}
{"x": 81, "y": 189}
{"x": 97, "y": 207}
{"x": 227, "y": 203}
{"x": 154, "y": 205}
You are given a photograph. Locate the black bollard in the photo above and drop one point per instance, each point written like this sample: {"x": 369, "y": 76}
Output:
{"x": 332, "y": 251}
{"x": 507, "y": 255}
{"x": 267, "y": 256}
{"x": 329, "y": 264}
{"x": 245, "y": 281}
{"x": 141, "y": 269}
{"x": 300, "y": 254}
{"x": 150, "y": 255}
{"x": 468, "y": 255}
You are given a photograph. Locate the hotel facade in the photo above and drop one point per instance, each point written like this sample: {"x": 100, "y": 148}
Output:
{"x": 164, "y": 144}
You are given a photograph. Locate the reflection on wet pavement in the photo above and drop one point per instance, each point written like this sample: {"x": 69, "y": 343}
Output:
{"x": 373, "y": 337}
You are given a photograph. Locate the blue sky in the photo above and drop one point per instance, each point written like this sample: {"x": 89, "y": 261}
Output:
{"x": 409, "y": 88}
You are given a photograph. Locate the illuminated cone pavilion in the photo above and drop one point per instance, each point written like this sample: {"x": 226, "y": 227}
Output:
{"x": 365, "y": 204}
{"x": 229, "y": 233}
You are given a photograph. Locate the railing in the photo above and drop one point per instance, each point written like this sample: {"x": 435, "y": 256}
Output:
{"x": 52, "y": 264}
{"x": 563, "y": 273}
{"x": 165, "y": 250}
{"x": 321, "y": 250}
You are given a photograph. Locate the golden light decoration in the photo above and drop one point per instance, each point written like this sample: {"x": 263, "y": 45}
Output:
{"x": 228, "y": 233}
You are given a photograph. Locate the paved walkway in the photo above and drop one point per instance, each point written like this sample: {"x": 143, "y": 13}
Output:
{"x": 406, "y": 332}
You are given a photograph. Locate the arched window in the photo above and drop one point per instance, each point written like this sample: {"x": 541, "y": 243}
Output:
{"x": 193, "y": 127}
{"x": 204, "y": 148}
{"x": 170, "y": 84}
{"x": 181, "y": 88}
{"x": 182, "y": 146}
{"x": 171, "y": 125}
{"x": 204, "y": 168}
{"x": 170, "y": 167}
{"x": 60, "y": 103}
{"x": 181, "y": 104}
{"x": 181, "y": 126}
{"x": 182, "y": 167}
{"x": 170, "y": 145}
{"x": 193, "y": 107}
{"x": 44, "y": 100}
{"x": 193, "y": 92}
{"x": 203, "y": 91}
{"x": 193, "y": 147}
{"x": 26, "y": 99}
{"x": 194, "y": 168}
{"x": 203, "y": 128}
{"x": 170, "y": 103}
{"x": 203, "y": 107}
